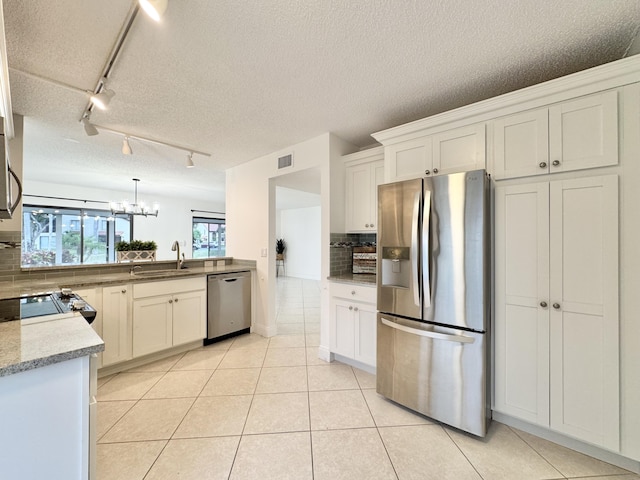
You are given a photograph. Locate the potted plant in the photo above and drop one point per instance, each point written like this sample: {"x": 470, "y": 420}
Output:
{"x": 280, "y": 248}
{"x": 136, "y": 250}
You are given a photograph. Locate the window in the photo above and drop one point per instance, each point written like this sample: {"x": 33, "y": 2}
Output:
{"x": 209, "y": 237}
{"x": 67, "y": 236}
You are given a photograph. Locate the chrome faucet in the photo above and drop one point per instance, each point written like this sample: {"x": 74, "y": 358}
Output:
{"x": 133, "y": 269}
{"x": 176, "y": 248}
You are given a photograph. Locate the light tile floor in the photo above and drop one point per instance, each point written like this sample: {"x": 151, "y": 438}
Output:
{"x": 257, "y": 408}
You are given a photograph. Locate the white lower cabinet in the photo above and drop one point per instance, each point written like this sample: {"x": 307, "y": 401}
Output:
{"x": 353, "y": 322}
{"x": 152, "y": 325}
{"x": 116, "y": 324}
{"x": 167, "y": 314}
{"x": 556, "y": 306}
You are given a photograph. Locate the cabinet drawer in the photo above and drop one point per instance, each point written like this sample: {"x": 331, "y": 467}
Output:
{"x": 354, "y": 292}
{"x": 168, "y": 287}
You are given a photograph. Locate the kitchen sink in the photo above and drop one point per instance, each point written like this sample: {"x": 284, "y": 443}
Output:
{"x": 159, "y": 273}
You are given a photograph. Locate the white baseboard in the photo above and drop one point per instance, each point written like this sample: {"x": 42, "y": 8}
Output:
{"x": 572, "y": 443}
{"x": 325, "y": 354}
{"x": 264, "y": 330}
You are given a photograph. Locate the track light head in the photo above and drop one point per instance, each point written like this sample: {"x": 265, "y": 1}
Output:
{"x": 89, "y": 128}
{"x": 126, "y": 147}
{"x": 154, "y": 8}
{"x": 190, "y": 163}
{"x": 102, "y": 99}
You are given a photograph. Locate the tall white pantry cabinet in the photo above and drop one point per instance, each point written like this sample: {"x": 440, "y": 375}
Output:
{"x": 564, "y": 157}
{"x": 565, "y": 192}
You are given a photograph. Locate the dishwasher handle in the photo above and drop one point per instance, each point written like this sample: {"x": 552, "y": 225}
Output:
{"x": 232, "y": 279}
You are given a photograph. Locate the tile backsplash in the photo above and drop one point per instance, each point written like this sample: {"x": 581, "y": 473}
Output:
{"x": 342, "y": 244}
{"x": 9, "y": 255}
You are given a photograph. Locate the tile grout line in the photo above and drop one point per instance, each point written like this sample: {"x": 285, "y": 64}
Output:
{"x": 461, "y": 451}
{"x": 538, "y": 453}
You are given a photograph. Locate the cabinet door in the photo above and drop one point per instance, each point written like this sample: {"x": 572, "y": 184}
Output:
{"x": 358, "y": 197}
{"x": 116, "y": 324}
{"x": 410, "y": 159}
{"x": 521, "y": 144}
{"x": 521, "y": 284}
{"x": 365, "y": 333}
{"x": 584, "y": 314}
{"x": 189, "y": 317}
{"x": 342, "y": 329}
{"x": 459, "y": 150}
{"x": 152, "y": 325}
{"x": 583, "y": 133}
{"x": 377, "y": 178}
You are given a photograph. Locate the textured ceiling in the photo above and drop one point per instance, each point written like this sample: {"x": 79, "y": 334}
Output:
{"x": 243, "y": 79}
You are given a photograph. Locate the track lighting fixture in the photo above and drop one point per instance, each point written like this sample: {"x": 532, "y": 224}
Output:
{"x": 126, "y": 147}
{"x": 154, "y": 8}
{"x": 190, "y": 163}
{"x": 102, "y": 99}
{"x": 89, "y": 128}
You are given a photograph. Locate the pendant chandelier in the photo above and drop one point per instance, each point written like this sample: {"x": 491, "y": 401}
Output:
{"x": 135, "y": 208}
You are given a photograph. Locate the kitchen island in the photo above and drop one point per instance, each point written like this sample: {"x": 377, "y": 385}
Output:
{"x": 47, "y": 398}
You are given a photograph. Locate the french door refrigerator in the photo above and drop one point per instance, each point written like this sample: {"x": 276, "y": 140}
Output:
{"x": 433, "y": 297}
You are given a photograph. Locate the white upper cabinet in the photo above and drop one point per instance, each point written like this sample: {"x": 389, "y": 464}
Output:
{"x": 364, "y": 171}
{"x": 459, "y": 150}
{"x": 521, "y": 144}
{"x": 456, "y": 150}
{"x": 572, "y": 135}
{"x": 409, "y": 159}
{"x": 583, "y": 133}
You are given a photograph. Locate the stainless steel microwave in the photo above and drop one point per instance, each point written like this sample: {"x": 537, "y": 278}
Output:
{"x": 8, "y": 203}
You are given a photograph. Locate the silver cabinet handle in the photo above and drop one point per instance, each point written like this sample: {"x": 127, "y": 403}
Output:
{"x": 355, "y": 309}
{"x": 543, "y": 304}
{"x": 543, "y": 165}
{"x": 124, "y": 290}
{"x": 555, "y": 163}
{"x": 371, "y": 225}
{"x": 556, "y": 306}
{"x": 176, "y": 300}
{"x": 350, "y": 308}
{"x": 366, "y": 225}
{"x": 435, "y": 170}
{"x": 170, "y": 301}
{"x": 427, "y": 172}
{"x": 353, "y": 292}
{"x": 425, "y": 333}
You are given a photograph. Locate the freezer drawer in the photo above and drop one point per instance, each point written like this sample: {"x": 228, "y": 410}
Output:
{"x": 228, "y": 303}
{"x": 437, "y": 371}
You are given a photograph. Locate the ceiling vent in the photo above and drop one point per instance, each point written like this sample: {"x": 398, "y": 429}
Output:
{"x": 285, "y": 161}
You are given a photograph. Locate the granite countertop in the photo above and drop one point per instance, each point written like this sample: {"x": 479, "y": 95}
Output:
{"x": 26, "y": 346}
{"x": 368, "y": 279}
{"x": 28, "y": 287}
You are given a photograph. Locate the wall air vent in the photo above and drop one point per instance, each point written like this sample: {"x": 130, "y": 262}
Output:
{"x": 285, "y": 161}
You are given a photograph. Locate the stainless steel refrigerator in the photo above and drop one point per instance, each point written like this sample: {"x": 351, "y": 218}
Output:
{"x": 433, "y": 297}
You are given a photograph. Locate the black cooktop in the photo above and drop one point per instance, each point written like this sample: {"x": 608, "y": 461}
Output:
{"x": 41, "y": 305}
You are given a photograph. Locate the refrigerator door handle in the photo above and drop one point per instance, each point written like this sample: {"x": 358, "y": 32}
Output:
{"x": 426, "y": 279}
{"x": 424, "y": 333}
{"x": 414, "y": 249}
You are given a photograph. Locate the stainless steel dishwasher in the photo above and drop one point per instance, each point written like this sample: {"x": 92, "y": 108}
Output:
{"x": 228, "y": 305}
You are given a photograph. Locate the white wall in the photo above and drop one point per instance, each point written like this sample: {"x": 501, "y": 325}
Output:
{"x": 173, "y": 222}
{"x": 301, "y": 230}
{"x": 251, "y": 224}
